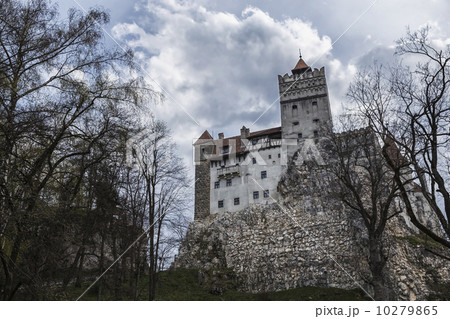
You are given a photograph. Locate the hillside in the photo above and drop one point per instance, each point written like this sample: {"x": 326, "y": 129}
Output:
{"x": 184, "y": 285}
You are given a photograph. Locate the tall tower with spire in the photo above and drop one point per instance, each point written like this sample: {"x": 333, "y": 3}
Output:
{"x": 305, "y": 107}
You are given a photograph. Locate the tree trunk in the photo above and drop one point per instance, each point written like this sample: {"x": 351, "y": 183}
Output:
{"x": 80, "y": 270}
{"x": 102, "y": 257}
{"x": 377, "y": 261}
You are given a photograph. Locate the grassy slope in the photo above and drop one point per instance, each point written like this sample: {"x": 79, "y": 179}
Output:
{"x": 183, "y": 285}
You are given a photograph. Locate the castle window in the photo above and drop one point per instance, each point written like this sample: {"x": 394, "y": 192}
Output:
{"x": 316, "y": 133}
{"x": 220, "y": 204}
{"x": 266, "y": 193}
{"x": 294, "y": 110}
{"x": 300, "y": 135}
{"x": 314, "y": 103}
{"x": 255, "y": 195}
{"x": 270, "y": 156}
{"x": 236, "y": 201}
{"x": 229, "y": 182}
{"x": 316, "y": 121}
{"x": 254, "y": 160}
{"x": 279, "y": 155}
{"x": 254, "y": 141}
{"x": 217, "y": 185}
{"x": 263, "y": 174}
{"x": 295, "y": 123}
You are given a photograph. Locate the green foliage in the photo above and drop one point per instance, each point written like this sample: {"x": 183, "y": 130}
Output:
{"x": 441, "y": 290}
{"x": 422, "y": 240}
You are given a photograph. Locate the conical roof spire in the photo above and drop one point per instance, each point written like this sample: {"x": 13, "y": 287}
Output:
{"x": 301, "y": 65}
{"x": 205, "y": 136}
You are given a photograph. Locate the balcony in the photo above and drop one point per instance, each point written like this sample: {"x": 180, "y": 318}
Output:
{"x": 228, "y": 172}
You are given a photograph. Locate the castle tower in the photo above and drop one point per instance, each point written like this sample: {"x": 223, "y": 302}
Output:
{"x": 305, "y": 107}
{"x": 203, "y": 147}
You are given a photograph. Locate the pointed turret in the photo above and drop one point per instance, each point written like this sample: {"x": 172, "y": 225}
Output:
{"x": 305, "y": 107}
{"x": 300, "y": 67}
{"x": 203, "y": 138}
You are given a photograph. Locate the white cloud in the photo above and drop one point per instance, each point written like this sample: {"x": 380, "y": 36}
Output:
{"x": 222, "y": 68}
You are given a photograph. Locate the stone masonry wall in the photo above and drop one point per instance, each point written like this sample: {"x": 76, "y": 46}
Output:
{"x": 202, "y": 189}
{"x": 308, "y": 238}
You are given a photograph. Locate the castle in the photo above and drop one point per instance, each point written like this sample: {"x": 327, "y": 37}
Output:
{"x": 235, "y": 172}
{"x": 266, "y": 210}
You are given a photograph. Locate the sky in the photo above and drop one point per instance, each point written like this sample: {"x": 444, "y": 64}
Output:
{"x": 217, "y": 62}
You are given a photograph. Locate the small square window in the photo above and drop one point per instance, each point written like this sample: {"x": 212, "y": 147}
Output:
{"x": 316, "y": 133}
{"x": 217, "y": 185}
{"x": 236, "y": 201}
{"x": 229, "y": 182}
{"x": 266, "y": 193}
{"x": 314, "y": 103}
{"x": 220, "y": 204}
{"x": 270, "y": 156}
{"x": 300, "y": 135}
{"x": 255, "y": 195}
{"x": 316, "y": 121}
{"x": 295, "y": 123}
{"x": 254, "y": 160}
{"x": 263, "y": 174}
{"x": 279, "y": 155}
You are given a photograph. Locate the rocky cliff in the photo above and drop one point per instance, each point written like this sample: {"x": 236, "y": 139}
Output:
{"x": 309, "y": 238}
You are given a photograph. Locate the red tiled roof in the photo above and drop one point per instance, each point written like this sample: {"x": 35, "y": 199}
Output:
{"x": 301, "y": 64}
{"x": 236, "y": 140}
{"x": 300, "y": 67}
{"x": 266, "y": 131}
{"x": 204, "y": 136}
{"x": 416, "y": 188}
{"x": 393, "y": 152}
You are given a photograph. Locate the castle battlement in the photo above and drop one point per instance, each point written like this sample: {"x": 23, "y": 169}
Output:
{"x": 309, "y": 74}
{"x": 267, "y": 206}
{"x": 235, "y": 172}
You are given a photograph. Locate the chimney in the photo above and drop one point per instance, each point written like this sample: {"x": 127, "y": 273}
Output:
{"x": 245, "y": 132}
{"x": 220, "y": 136}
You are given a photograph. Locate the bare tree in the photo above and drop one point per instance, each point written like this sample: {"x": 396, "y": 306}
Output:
{"x": 408, "y": 107}
{"x": 365, "y": 184}
{"x": 59, "y": 95}
{"x": 166, "y": 182}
